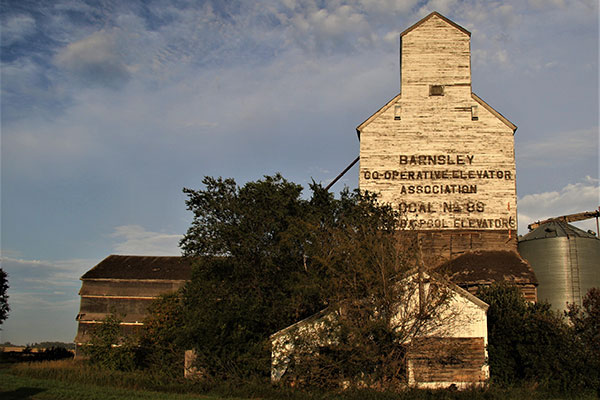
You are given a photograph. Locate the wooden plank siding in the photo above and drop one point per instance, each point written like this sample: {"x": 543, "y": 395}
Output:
{"x": 528, "y": 290}
{"x": 446, "y": 162}
{"x": 127, "y": 286}
{"x": 439, "y": 246}
{"x": 121, "y": 287}
{"x": 128, "y": 299}
{"x": 434, "y": 361}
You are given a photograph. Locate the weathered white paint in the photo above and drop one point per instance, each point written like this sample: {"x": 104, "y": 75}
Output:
{"x": 446, "y": 162}
{"x": 462, "y": 315}
{"x": 318, "y": 330}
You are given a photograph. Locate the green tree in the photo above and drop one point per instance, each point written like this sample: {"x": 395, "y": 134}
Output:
{"x": 4, "y": 307}
{"x": 529, "y": 342}
{"x": 250, "y": 246}
{"x": 267, "y": 258}
{"x": 586, "y": 326}
{"x": 109, "y": 349}
{"x": 358, "y": 259}
{"x": 161, "y": 348}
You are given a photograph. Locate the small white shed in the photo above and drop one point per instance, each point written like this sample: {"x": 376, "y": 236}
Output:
{"x": 449, "y": 349}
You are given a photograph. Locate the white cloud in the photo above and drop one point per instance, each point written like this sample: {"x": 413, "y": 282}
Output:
{"x": 441, "y": 6}
{"x": 330, "y": 30}
{"x": 379, "y": 7}
{"x": 138, "y": 241}
{"x": 17, "y": 28}
{"x": 43, "y": 298}
{"x": 96, "y": 59}
{"x": 571, "y": 199}
{"x": 25, "y": 88}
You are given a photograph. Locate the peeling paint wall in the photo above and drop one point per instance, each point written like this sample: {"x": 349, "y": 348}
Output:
{"x": 438, "y": 153}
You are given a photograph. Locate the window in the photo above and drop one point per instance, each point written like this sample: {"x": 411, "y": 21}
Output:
{"x": 397, "y": 112}
{"x": 436, "y": 90}
{"x": 474, "y": 113}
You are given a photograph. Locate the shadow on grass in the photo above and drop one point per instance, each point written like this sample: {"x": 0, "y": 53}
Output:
{"x": 21, "y": 393}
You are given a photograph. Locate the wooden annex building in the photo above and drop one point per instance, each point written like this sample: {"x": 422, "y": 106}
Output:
{"x": 126, "y": 286}
{"x": 441, "y": 156}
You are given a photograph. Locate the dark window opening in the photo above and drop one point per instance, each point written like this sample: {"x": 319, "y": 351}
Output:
{"x": 474, "y": 113}
{"x": 436, "y": 90}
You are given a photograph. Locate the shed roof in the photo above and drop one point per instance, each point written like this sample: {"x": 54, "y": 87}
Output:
{"x": 485, "y": 267}
{"x": 554, "y": 229}
{"x": 142, "y": 267}
{"x": 409, "y": 275}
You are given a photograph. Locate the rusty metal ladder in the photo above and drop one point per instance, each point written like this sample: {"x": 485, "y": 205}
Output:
{"x": 574, "y": 270}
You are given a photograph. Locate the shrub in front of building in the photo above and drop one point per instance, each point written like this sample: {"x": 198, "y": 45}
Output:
{"x": 530, "y": 343}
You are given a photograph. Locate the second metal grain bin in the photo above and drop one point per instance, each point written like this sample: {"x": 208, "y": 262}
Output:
{"x": 566, "y": 261}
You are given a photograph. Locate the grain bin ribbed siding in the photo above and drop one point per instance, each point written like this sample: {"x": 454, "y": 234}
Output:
{"x": 566, "y": 261}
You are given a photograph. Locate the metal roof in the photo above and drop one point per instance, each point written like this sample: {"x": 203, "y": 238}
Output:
{"x": 141, "y": 267}
{"x": 485, "y": 267}
{"x": 554, "y": 229}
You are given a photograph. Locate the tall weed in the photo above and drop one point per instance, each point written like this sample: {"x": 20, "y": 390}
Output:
{"x": 79, "y": 371}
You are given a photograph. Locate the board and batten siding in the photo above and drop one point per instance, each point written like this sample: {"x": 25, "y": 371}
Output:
{"x": 446, "y": 162}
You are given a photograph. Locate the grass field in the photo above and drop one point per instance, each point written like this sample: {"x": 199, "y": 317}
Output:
{"x": 22, "y": 387}
{"x": 75, "y": 380}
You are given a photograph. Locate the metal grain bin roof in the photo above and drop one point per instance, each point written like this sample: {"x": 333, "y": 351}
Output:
{"x": 556, "y": 229}
{"x": 565, "y": 260}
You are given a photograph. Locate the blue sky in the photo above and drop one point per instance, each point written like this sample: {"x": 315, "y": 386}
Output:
{"x": 110, "y": 108}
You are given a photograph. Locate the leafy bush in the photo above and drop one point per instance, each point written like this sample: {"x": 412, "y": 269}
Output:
{"x": 108, "y": 348}
{"x": 160, "y": 345}
{"x": 586, "y": 326}
{"x": 531, "y": 343}
{"x": 54, "y": 353}
{"x": 4, "y": 307}
{"x": 267, "y": 258}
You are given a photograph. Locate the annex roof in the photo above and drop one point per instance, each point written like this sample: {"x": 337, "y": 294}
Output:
{"x": 141, "y": 267}
{"x": 486, "y": 267}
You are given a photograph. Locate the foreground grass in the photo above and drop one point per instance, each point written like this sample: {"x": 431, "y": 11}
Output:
{"x": 76, "y": 380}
{"x": 14, "y": 387}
